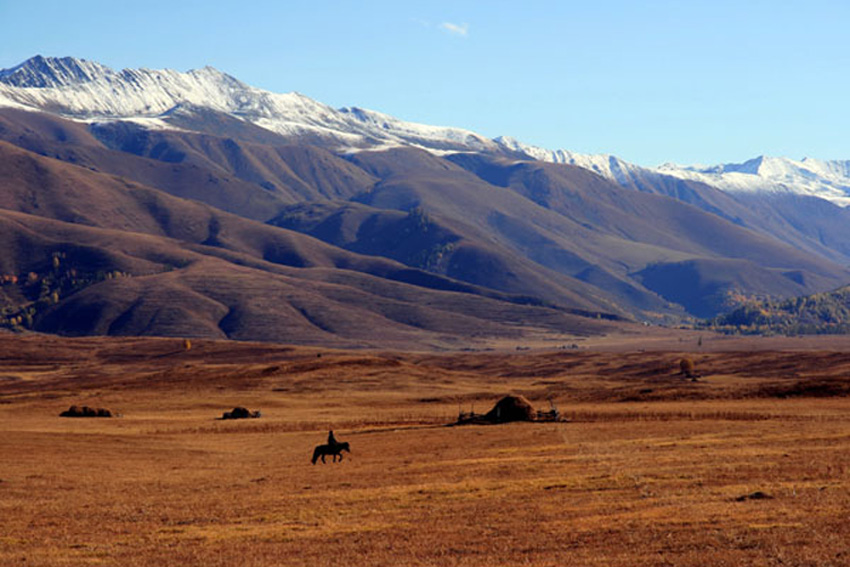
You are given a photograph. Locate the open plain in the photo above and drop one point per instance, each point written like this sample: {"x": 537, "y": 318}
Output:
{"x": 747, "y": 465}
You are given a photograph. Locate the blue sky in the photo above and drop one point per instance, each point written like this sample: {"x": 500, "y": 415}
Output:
{"x": 651, "y": 81}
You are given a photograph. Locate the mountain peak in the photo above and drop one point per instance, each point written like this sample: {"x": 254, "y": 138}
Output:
{"x": 41, "y": 72}
{"x": 751, "y": 166}
{"x": 211, "y": 73}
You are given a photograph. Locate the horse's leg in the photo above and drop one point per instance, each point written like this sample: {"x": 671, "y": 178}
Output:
{"x": 323, "y": 458}
{"x": 340, "y": 456}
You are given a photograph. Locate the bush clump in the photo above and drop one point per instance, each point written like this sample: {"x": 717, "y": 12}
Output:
{"x": 241, "y": 413}
{"x": 86, "y": 411}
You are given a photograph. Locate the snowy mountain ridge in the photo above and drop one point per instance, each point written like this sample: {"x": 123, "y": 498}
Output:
{"x": 606, "y": 165}
{"x": 90, "y": 92}
{"x": 41, "y": 72}
{"x": 828, "y": 180}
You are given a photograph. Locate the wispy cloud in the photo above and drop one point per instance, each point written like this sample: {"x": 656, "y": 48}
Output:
{"x": 461, "y": 30}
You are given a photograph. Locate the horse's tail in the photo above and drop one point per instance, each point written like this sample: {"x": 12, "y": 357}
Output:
{"x": 316, "y": 453}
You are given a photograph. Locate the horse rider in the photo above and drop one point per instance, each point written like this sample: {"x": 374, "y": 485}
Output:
{"x": 331, "y": 439}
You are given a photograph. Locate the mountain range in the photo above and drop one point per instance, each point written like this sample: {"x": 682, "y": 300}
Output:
{"x": 191, "y": 204}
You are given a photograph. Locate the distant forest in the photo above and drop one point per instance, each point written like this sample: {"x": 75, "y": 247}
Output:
{"x": 818, "y": 314}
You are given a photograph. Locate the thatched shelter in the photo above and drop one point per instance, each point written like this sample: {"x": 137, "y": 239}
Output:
{"x": 511, "y": 408}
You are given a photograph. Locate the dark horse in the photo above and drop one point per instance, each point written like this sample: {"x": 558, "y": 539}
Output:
{"x": 336, "y": 450}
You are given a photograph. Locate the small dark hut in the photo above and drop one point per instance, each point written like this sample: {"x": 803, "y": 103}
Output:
{"x": 508, "y": 409}
{"x": 511, "y": 408}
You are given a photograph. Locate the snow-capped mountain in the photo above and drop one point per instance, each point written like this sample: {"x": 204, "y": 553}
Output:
{"x": 186, "y": 155}
{"x": 828, "y": 180}
{"x": 90, "y": 92}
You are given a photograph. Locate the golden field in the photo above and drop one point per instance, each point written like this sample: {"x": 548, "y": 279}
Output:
{"x": 649, "y": 469}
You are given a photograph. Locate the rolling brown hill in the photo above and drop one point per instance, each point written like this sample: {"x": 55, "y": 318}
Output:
{"x": 655, "y": 219}
{"x": 573, "y": 222}
{"x": 816, "y": 226}
{"x": 245, "y": 178}
{"x": 477, "y": 263}
{"x": 109, "y": 256}
{"x": 71, "y": 142}
{"x": 456, "y": 249}
{"x": 53, "y": 189}
{"x": 138, "y": 284}
{"x": 293, "y": 172}
{"x": 733, "y": 257}
{"x": 512, "y": 231}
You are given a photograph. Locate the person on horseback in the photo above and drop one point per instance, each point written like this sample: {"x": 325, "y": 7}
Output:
{"x": 334, "y": 448}
{"x": 334, "y": 451}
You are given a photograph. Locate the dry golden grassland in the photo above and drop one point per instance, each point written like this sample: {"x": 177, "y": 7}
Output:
{"x": 650, "y": 469}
